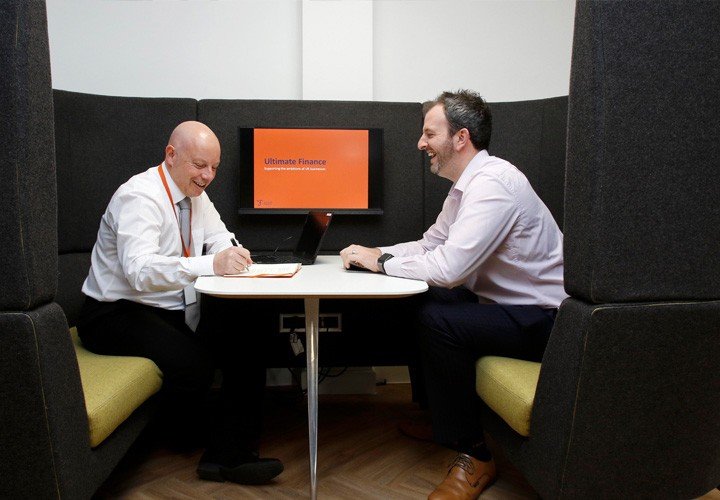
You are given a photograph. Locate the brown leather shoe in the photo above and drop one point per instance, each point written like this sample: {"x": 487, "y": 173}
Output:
{"x": 416, "y": 429}
{"x": 466, "y": 479}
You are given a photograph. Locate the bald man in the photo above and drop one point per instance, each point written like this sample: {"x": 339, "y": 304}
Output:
{"x": 140, "y": 302}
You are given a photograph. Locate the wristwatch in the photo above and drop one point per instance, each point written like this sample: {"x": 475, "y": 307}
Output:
{"x": 382, "y": 260}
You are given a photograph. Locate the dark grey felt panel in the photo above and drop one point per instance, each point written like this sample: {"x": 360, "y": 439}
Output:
{"x": 403, "y": 177}
{"x": 101, "y": 461}
{"x": 643, "y": 172}
{"x": 626, "y": 402}
{"x": 101, "y": 142}
{"x": 551, "y": 172}
{"x": 72, "y": 270}
{"x": 44, "y": 422}
{"x": 649, "y": 379}
{"x": 28, "y": 255}
{"x": 529, "y": 134}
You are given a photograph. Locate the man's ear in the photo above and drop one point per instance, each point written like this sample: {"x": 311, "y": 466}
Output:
{"x": 462, "y": 138}
{"x": 169, "y": 155}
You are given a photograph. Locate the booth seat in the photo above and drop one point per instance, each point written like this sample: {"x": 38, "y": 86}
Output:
{"x": 68, "y": 416}
{"x": 117, "y": 392}
{"x": 530, "y": 134}
{"x": 508, "y": 387}
{"x": 625, "y": 400}
{"x": 114, "y": 387}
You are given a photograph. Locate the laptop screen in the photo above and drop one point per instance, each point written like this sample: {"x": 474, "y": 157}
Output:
{"x": 316, "y": 225}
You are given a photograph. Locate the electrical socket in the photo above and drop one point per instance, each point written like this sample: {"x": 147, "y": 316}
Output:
{"x": 329, "y": 322}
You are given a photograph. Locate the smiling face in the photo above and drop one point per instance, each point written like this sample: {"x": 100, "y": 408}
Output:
{"x": 437, "y": 142}
{"x": 192, "y": 157}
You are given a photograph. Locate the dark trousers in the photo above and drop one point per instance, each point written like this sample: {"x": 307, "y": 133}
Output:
{"x": 454, "y": 332}
{"x": 188, "y": 360}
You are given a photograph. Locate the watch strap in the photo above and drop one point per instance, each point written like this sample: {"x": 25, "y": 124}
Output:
{"x": 382, "y": 260}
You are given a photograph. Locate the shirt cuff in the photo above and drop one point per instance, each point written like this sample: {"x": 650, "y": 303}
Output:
{"x": 393, "y": 267}
{"x": 202, "y": 265}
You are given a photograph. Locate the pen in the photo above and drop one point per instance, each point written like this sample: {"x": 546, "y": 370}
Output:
{"x": 235, "y": 243}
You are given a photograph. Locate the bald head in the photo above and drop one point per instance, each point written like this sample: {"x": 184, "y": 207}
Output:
{"x": 192, "y": 157}
{"x": 193, "y": 133}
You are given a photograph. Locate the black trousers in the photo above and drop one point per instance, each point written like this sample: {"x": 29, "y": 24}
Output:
{"x": 188, "y": 360}
{"x": 454, "y": 332}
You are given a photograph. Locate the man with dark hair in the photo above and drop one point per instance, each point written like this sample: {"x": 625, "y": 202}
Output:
{"x": 494, "y": 263}
{"x": 141, "y": 302}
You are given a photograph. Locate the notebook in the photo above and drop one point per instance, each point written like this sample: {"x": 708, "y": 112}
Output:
{"x": 308, "y": 246}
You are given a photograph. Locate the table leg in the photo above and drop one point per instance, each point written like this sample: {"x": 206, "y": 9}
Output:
{"x": 312, "y": 320}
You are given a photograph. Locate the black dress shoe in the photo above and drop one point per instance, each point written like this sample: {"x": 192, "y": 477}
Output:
{"x": 248, "y": 468}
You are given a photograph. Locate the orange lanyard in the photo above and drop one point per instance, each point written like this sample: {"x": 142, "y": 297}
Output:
{"x": 185, "y": 248}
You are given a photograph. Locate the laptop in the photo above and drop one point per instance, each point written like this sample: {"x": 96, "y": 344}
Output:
{"x": 308, "y": 246}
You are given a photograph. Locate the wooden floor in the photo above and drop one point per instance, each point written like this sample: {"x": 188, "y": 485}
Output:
{"x": 361, "y": 455}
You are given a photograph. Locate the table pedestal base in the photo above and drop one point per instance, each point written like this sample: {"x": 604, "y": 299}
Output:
{"x": 312, "y": 319}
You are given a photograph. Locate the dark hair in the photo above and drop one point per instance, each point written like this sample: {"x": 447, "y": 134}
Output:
{"x": 466, "y": 109}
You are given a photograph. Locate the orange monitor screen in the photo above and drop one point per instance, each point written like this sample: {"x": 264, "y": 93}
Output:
{"x": 296, "y": 169}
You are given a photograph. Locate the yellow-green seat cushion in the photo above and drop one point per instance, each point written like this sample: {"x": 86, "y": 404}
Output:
{"x": 114, "y": 387}
{"x": 508, "y": 387}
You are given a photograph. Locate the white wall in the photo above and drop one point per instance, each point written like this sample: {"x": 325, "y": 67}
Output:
{"x": 389, "y": 50}
{"x": 337, "y": 50}
{"x": 506, "y": 50}
{"x": 199, "y": 49}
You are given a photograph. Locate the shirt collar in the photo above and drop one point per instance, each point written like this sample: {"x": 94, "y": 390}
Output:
{"x": 177, "y": 195}
{"x": 475, "y": 164}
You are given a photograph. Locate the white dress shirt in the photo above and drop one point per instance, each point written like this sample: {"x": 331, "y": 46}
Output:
{"x": 494, "y": 235}
{"x": 138, "y": 253}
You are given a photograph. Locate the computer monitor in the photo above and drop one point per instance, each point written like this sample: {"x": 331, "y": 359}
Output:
{"x": 295, "y": 170}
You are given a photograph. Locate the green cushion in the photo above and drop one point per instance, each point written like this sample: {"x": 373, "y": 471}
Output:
{"x": 508, "y": 387}
{"x": 114, "y": 387}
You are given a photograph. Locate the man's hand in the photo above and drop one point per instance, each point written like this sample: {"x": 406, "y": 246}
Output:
{"x": 232, "y": 260}
{"x": 360, "y": 256}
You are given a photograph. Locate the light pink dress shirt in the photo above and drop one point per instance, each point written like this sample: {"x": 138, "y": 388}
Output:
{"x": 494, "y": 236}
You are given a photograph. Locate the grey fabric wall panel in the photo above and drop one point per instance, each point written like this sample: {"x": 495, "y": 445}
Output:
{"x": 529, "y": 134}
{"x": 643, "y": 172}
{"x": 532, "y": 136}
{"x": 101, "y": 142}
{"x": 403, "y": 177}
{"x": 28, "y": 203}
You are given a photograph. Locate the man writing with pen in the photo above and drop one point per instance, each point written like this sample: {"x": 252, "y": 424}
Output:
{"x": 141, "y": 302}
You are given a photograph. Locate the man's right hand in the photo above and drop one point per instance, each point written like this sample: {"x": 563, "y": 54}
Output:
{"x": 360, "y": 256}
{"x": 232, "y": 260}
